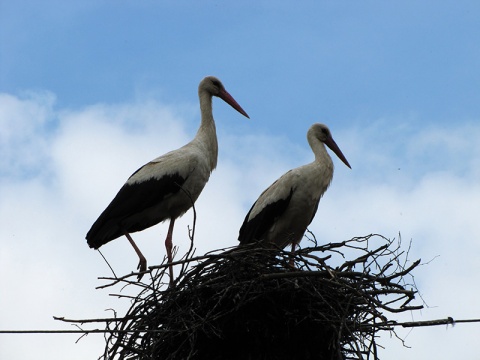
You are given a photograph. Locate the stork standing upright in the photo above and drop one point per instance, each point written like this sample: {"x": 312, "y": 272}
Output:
{"x": 166, "y": 187}
{"x": 284, "y": 210}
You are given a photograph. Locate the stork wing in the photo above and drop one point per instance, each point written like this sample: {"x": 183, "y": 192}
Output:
{"x": 148, "y": 186}
{"x": 271, "y": 204}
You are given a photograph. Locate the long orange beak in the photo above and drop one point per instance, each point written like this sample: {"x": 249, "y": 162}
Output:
{"x": 225, "y": 96}
{"x": 334, "y": 147}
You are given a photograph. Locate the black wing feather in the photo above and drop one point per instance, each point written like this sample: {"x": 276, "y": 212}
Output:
{"x": 130, "y": 200}
{"x": 314, "y": 211}
{"x": 255, "y": 229}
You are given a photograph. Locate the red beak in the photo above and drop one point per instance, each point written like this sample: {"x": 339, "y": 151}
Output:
{"x": 334, "y": 147}
{"x": 224, "y": 95}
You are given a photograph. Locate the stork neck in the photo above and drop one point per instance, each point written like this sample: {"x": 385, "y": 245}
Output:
{"x": 206, "y": 137}
{"x": 321, "y": 154}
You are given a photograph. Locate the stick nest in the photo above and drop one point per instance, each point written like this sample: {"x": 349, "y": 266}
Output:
{"x": 250, "y": 303}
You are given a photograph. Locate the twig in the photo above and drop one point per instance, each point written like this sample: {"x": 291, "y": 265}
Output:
{"x": 253, "y": 290}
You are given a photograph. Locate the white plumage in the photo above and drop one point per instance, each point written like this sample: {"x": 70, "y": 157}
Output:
{"x": 166, "y": 187}
{"x": 285, "y": 209}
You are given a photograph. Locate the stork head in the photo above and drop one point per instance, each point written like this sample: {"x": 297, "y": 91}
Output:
{"x": 322, "y": 133}
{"x": 214, "y": 87}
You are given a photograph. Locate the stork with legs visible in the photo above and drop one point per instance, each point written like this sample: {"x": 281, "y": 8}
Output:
{"x": 166, "y": 187}
{"x": 284, "y": 210}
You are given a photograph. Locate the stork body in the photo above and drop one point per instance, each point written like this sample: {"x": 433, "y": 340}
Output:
{"x": 284, "y": 210}
{"x": 166, "y": 187}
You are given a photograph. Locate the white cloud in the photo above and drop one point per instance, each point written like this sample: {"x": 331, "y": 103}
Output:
{"x": 89, "y": 153}
{"x": 24, "y": 136}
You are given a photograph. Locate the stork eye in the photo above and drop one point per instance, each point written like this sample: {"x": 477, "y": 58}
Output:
{"x": 216, "y": 83}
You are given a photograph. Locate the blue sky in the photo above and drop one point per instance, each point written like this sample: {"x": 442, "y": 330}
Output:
{"x": 346, "y": 62}
{"x": 91, "y": 90}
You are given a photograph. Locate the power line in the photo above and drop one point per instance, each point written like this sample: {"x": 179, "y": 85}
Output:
{"x": 447, "y": 321}
{"x": 78, "y": 331}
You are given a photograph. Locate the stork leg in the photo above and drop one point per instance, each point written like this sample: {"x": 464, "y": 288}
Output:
{"x": 291, "y": 263}
{"x": 142, "y": 264}
{"x": 169, "y": 247}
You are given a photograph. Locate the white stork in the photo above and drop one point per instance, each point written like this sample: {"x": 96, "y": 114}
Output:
{"x": 284, "y": 210}
{"x": 166, "y": 187}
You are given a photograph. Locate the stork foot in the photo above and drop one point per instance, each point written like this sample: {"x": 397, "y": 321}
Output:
{"x": 291, "y": 262}
{"x": 142, "y": 264}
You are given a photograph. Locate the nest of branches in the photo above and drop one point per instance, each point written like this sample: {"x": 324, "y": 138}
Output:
{"x": 250, "y": 303}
